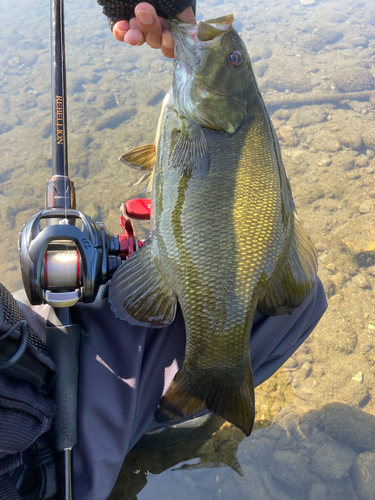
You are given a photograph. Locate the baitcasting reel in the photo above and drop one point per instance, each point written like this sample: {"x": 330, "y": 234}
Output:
{"x": 65, "y": 255}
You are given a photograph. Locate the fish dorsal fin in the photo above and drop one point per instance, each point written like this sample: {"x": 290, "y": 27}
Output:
{"x": 190, "y": 154}
{"x": 139, "y": 294}
{"x": 142, "y": 158}
{"x": 295, "y": 276}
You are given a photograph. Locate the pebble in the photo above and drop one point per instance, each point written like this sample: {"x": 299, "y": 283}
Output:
{"x": 366, "y": 206}
{"x": 349, "y": 425}
{"x": 364, "y": 475}
{"x": 361, "y": 281}
{"x": 288, "y": 134}
{"x": 358, "y": 377}
{"x": 305, "y": 370}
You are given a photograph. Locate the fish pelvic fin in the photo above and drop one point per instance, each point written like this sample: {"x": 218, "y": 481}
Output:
{"x": 295, "y": 277}
{"x": 190, "y": 154}
{"x": 147, "y": 175}
{"x": 139, "y": 294}
{"x": 187, "y": 397}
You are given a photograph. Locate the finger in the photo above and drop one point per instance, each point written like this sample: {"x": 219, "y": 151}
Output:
{"x": 149, "y": 24}
{"x": 134, "y": 36}
{"x": 119, "y": 30}
{"x": 167, "y": 44}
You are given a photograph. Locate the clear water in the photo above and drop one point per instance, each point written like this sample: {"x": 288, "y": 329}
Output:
{"x": 315, "y": 65}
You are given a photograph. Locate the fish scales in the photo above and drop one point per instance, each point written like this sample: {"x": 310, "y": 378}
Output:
{"x": 225, "y": 239}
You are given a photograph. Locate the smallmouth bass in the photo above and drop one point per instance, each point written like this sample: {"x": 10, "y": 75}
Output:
{"x": 225, "y": 238}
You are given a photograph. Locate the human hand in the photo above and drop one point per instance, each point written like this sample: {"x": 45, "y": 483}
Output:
{"x": 148, "y": 27}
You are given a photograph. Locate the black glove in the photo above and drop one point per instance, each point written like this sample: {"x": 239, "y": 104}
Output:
{"x": 117, "y": 10}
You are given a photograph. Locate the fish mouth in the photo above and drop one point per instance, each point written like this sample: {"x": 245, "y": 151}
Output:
{"x": 202, "y": 34}
{"x": 190, "y": 39}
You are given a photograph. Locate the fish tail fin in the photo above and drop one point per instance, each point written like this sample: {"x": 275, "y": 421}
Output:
{"x": 186, "y": 397}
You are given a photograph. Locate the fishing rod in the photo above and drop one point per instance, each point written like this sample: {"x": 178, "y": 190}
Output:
{"x": 65, "y": 256}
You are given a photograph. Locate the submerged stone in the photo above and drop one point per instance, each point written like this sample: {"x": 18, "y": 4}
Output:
{"x": 333, "y": 460}
{"x": 364, "y": 475}
{"x": 291, "y": 468}
{"x": 353, "y": 79}
{"x": 350, "y": 425}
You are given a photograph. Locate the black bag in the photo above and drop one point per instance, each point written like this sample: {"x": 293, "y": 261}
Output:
{"x": 27, "y": 459}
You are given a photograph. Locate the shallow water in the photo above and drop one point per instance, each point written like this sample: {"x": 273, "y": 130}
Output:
{"x": 315, "y": 66}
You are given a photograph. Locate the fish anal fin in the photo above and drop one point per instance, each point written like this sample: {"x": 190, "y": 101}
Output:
{"x": 188, "y": 396}
{"x": 190, "y": 154}
{"x": 295, "y": 277}
{"x": 142, "y": 158}
{"x": 139, "y": 294}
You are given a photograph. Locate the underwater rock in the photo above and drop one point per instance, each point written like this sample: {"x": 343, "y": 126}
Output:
{"x": 353, "y": 393}
{"x": 364, "y": 475}
{"x": 368, "y": 137}
{"x": 351, "y": 138}
{"x": 291, "y": 468}
{"x": 353, "y": 79}
{"x": 350, "y": 425}
{"x": 259, "y": 52}
{"x": 327, "y": 34}
{"x": 307, "y": 115}
{"x": 272, "y": 486}
{"x": 75, "y": 83}
{"x": 260, "y": 68}
{"x": 361, "y": 281}
{"x": 284, "y": 77}
{"x": 333, "y": 460}
{"x": 288, "y": 134}
{"x": 281, "y": 114}
{"x": 312, "y": 43}
{"x": 105, "y": 101}
{"x": 325, "y": 140}
{"x": 8, "y": 122}
{"x": 359, "y": 41}
{"x": 356, "y": 235}
{"x": 114, "y": 119}
{"x": 254, "y": 484}
{"x": 318, "y": 491}
{"x": 343, "y": 338}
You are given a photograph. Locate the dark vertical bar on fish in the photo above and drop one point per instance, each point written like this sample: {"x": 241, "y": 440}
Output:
{"x": 59, "y": 136}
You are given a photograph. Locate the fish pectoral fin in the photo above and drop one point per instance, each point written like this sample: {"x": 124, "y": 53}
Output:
{"x": 139, "y": 294}
{"x": 142, "y": 158}
{"x": 187, "y": 397}
{"x": 191, "y": 154}
{"x": 295, "y": 277}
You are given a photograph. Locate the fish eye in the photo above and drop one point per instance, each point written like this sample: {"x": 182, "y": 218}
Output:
{"x": 235, "y": 58}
